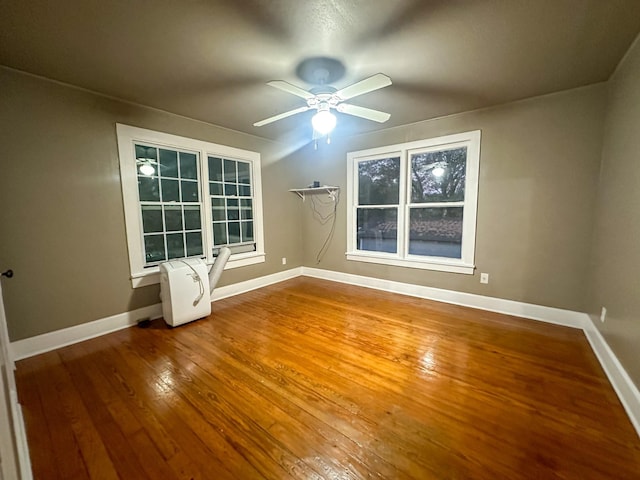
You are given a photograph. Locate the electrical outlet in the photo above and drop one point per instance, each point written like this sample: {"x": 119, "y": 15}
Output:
{"x": 484, "y": 278}
{"x": 284, "y": 260}
{"x": 603, "y": 314}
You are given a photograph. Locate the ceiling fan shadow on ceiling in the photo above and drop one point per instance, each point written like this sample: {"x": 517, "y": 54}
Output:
{"x": 325, "y": 98}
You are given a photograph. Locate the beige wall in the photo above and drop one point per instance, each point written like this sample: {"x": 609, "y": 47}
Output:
{"x": 615, "y": 274}
{"x": 538, "y": 172}
{"x": 62, "y": 222}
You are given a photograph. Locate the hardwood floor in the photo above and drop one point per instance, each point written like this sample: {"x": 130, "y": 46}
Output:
{"x": 309, "y": 379}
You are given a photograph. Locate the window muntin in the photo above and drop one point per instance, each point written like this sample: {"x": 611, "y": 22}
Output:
{"x": 169, "y": 212}
{"x": 422, "y": 199}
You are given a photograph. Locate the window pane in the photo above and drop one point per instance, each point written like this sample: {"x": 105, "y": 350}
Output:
{"x": 154, "y": 248}
{"x": 188, "y": 166}
{"x": 189, "y": 191}
{"x": 215, "y": 169}
{"x": 246, "y": 209}
{"x": 234, "y": 232}
{"x": 175, "y": 245}
{"x": 378, "y": 181}
{"x": 215, "y": 188}
{"x": 247, "y": 231}
{"x": 244, "y": 190}
{"x": 230, "y": 189}
{"x": 378, "y": 229}
{"x": 146, "y": 153}
{"x": 230, "y": 171}
{"x": 438, "y": 176}
{"x": 436, "y": 232}
{"x": 151, "y": 218}
{"x": 244, "y": 173}
{"x": 170, "y": 191}
{"x": 173, "y": 218}
{"x": 217, "y": 209}
{"x": 191, "y": 218}
{"x": 220, "y": 233}
{"x": 233, "y": 212}
{"x": 168, "y": 163}
{"x": 194, "y": 243}
{"x": 148, "y": 189}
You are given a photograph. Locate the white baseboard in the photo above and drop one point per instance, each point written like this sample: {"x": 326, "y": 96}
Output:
{"x": 620, "y": 380}
{"x": 255, "y": 283}
{"x": 627, "y": 391}
{"x": 556, "y": 316}
{"x": 68, "y": 336}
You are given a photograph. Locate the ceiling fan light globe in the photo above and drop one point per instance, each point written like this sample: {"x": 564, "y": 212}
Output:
{"x": 323, "y": 122}
{"x": 147, "y": 169}
{"x": 438, "y": 172}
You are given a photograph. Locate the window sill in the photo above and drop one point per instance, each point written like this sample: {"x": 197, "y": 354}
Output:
{"x": 431, "y": 264}
{"x": 151, "y": 276}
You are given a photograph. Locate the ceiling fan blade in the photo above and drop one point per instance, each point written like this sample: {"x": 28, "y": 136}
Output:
{"x": 379, "y": 80}
{"x": 289, "y": 88}
{"x": 368, "y": 113}
{"x": 280, "y": 116}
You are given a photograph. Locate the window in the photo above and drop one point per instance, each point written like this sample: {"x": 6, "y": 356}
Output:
{"x": 414, "y": 204}
{"x": 187, "y": 198}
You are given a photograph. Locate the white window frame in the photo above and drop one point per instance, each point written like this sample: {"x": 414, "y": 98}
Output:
{"x": 127, "y": 137}
{"x": 464, "y": 265}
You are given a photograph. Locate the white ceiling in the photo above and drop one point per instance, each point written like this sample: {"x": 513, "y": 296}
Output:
{"x": 210, "y": 60}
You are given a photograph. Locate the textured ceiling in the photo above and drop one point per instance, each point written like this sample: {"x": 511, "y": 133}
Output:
{"x": 210, "y": 60}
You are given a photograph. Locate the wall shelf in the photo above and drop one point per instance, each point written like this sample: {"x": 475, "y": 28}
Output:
{"x": 328, "y": 189}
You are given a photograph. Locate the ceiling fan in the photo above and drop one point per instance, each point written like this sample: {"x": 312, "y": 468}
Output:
{"x": 325, "y": 98}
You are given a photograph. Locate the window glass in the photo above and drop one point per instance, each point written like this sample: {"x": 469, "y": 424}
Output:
{"x": 247, "y": 231}
{"x": 194, "y": 243}
{"x": 170, "y": 190}
{"x": 148, "y": 189}
{"x": 168, "y": 163}
{"x": 192, "y": 217}
{"x": 246, "y": 209}
{"x": 215, "y": 169}
{"x": 234, "y": 232}
{"x": 436, "y": 232}
{"x": 220, "y": 233}
{"x": 152, "y": 218}
{"x": 233, "y": 213}
{"x": 378, "y": 229}
{"x": 244, "y": 173}
{"x": 230, "y": 171}
{"x": 175, "y": 245}
{"x": 190, "y": 191}
{"x": 188, "y": 166}
{"x": 173, "y": 218}
{"x": 379, "y": 181}
{"x": 154, "y": 248}
{"x": 218, "y": 210}
{"x": 438, "y": 176}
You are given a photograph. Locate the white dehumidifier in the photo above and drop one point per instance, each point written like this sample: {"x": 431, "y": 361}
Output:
{"x": 184, "y": 289}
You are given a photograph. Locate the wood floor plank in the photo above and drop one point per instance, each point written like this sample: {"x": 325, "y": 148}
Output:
{"x": 50, "y": 459}
{"x": 313, "y": 379}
